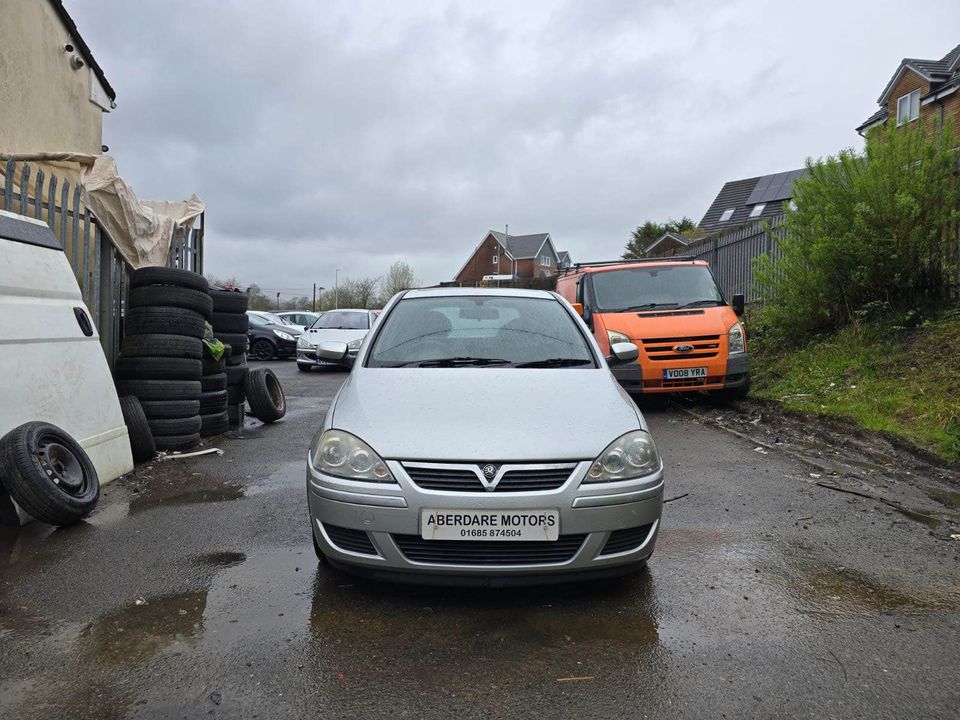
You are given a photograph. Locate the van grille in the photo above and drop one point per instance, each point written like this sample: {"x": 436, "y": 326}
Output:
{"x": 460, "y": 478}
{"x": 488, "y": 552}
{"x": 684, "y": 382}
{"x": 704, "y": 346}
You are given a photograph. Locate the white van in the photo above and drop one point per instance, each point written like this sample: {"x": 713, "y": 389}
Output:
{"x": 52, "y": 367}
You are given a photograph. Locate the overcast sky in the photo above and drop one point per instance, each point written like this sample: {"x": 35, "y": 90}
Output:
{"x": 348, "y": 135}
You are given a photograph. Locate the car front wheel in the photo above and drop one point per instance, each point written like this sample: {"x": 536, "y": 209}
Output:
{"x": 262, "y": 350}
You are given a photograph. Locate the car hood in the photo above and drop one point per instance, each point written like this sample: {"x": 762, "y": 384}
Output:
{"x": 328, "y": 334}
{"x": 484, "y": 414}
{"x": 672, "y": 323}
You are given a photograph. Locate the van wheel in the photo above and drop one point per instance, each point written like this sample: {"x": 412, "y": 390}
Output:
{"x": 48, "y": 473}
{"x": 265, "y": 396}
{"x": 142, "y": 446}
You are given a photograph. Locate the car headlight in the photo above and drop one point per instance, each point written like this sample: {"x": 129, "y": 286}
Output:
{"x": 629, "y": 456}
{"x": 305, "y": 344}
{"x": 617, "y": 337}
{"x": 344, "y": 455}
{"x": 283, "y": 336}
{"x": 735, "y": 339}
{"x": 354, "y": 345}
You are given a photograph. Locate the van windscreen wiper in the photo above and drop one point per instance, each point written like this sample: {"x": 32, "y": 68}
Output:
{"x": 702, "y": 303}
{"x": 647, "y": 306}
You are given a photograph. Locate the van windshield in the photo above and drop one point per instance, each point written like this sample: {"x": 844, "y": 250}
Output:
{"x": 648, "y": 288}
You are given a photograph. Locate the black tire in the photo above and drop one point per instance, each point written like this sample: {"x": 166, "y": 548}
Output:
{"x": 168, "y": 276}
{"x": 179, "y": 346}
{"x": 177, "y": 442}
{"x": 236, "y": 374}
{"x": 164, "y": 321}
{"x": 213, "y": 367}
{"x": 48, "y": 473}
{"x": 212, "y": 383}
{"x": 263, "y": 349}
{"x": 230, "y": 322}
{"x": 214, "y": 423}
{"x": 238, "y": 359}
{"x": 166, "y": 296}
{"x": 235, "y": 395}
{"x": 728, "y": 395}
{"x": 238, "y": 343}
{"x": 265, "y": 395}
{"x": 174, "y": 426}
{"x": 213, "y": 402}
{"x": 228, "y": 301}
{"x": 170, "y": 408}
{"x": 303, "y": 367}
{"x": 158, "y": 368}
{"x": 160, "y": 389}
{"x": 142, "y": 446}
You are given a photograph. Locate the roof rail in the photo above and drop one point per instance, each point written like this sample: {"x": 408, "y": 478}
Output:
{"x": 603, "y": 263}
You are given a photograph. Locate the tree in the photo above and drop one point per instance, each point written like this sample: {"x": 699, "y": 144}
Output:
{"x": 352, "y": 293}
{"x": 399, "y": 277}
{"x": 872, "y": 231}
{"x": 648, "y": 233}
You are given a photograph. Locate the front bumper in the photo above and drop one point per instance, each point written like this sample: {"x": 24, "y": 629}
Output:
{"x": 286, "y": 348}
{"x": 631, "y": 377}
{"x": 308, "y": 356}
{"x": 389, "y": 514}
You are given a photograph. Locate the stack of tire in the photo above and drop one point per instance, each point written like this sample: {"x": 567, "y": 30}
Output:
{"x": 213, "y": 395}
{"x": 230, "y": 324}
{"x": 161, "y": 358}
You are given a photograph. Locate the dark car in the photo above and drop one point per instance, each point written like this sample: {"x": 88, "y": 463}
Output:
{"x": 270, "y": 337}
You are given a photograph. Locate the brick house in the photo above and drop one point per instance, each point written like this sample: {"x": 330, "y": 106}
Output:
{"x": 519, "y": 256}
{"x": 920, "y": 88}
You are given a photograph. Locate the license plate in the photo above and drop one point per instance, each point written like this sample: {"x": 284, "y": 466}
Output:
{"x": 684, "y": 373}
{"x": 506, "y": 525}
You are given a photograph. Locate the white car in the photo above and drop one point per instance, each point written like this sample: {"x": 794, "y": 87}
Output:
{"x": 348, "y": 326}
{"x": 300, "y": 319}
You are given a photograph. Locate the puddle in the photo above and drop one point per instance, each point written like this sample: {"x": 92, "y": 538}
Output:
{"x": 289, "y": 474}
{"x": 221, "y": 559}
{"x": 152, "y": 499}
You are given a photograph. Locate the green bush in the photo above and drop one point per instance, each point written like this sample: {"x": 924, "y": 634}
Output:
{"x": 872, "y": 233}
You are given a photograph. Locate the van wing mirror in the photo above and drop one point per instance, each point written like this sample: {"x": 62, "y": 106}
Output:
{"x": 578, "y": 308}
{"x": 739, "y": 303}
{"x": 623, "y": 353}
{"x": 332, "y": 350}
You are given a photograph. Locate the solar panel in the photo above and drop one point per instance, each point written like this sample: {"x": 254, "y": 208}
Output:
{"x": 771, "y": 188}
{"x": 760, "y": 189}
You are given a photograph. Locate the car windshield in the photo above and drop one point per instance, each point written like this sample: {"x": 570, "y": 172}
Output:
{"x": 648, "y": 288}
{"x": 343, "y": 320}
{"x": 478, "y": 331}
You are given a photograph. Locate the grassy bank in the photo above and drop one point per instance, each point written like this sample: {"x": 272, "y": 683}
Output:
{"x": 903, "y": 381}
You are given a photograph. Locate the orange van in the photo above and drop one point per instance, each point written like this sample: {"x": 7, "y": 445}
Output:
{"x": 690, "y": 338}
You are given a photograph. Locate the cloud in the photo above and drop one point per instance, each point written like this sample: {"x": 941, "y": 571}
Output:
{"x": 351, "y": 134}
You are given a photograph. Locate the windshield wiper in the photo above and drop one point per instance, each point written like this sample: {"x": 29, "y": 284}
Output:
{"x": 555, "y": 362}
{"x": 460, "y": 362}
{"x": 646, "y": 306}
{"x": 701, "y": 303}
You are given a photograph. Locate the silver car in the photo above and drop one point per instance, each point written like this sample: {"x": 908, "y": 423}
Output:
{"x": 480, "y": 437}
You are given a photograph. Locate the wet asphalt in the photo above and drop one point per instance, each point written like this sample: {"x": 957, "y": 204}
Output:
{"x": 193, "y": 591}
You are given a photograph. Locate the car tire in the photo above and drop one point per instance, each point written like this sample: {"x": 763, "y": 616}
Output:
{"x": 158, "y": 368}
{"x": 228, "y": 301}
{"x": 170, "y": 408}
{"x": 214, "y": 367}
{"x": 236, "y": 374}
{"x": 174, "y": 426}
{"x": 238, "y": 343}
{"x": 230, "y": 322}
{"x": 212, "y": 383}
{"x": 167, "y": 296}
{"x": 238, "y": 359}
{"x": 304, "y": 367}
{"x": 214, "y": 423}
{"x": 179, "y": 346}
{"x": 163, "y": 321}
{"x": 263, "y": 350}
{"x": 168, "y": 276}
{"x": 265, "y": 395}
{"x": 160, "y": 389}
{"x": 48, "y": 474}
{"x": 171, "y": 443}
{"x": 211, "y": 402}
{"x": 142, "y": 446}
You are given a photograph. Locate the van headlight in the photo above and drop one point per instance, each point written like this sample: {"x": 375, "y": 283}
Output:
{"x": 629, "y": 456}
{"x": 344, "y": 455}
{"x": 735, "y": 339}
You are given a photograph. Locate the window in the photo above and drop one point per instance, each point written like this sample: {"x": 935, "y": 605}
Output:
{"x": 908, "y": 107}
{"x": 545, "y": 260}
{"x": 757, "y": 209}
{"x": 647, "y": 288}
{"x": 727, "y": 214}
{"x": 343, "y": 320}
{"x": 496, "y": 259}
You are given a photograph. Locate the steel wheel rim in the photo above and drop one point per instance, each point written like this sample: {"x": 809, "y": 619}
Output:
{"x": 61, "y": 466}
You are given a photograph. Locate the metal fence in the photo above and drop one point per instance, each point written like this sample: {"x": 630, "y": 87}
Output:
{"x": 731, "y": 255}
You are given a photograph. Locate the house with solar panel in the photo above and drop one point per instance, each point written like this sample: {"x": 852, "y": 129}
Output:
{"x": 513, "y": 257}
{"x": 745, "y": 201}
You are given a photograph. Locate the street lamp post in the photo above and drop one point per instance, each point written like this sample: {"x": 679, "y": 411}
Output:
{"x": 321, "y": 288}
{"x": 336, "y": 289}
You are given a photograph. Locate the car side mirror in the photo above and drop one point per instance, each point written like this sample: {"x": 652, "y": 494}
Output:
{"x": 623, "y": 353}
{"x": 578, "y": 308}
{"x": 333, "y": 351}
{"x": 738, "y": 304}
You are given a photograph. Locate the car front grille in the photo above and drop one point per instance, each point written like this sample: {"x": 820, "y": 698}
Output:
{"x": 624, "y": 540}
{"x": 488, "y": 552}
{"x": 703, "y": 346}
{"x": 466, "y": 478}
{"x": 351, "y": 540}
